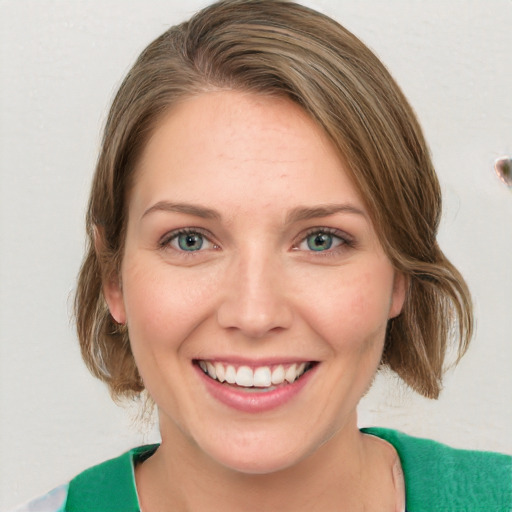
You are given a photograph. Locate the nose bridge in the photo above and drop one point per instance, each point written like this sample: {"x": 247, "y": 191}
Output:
{"x": 255, "y": 302}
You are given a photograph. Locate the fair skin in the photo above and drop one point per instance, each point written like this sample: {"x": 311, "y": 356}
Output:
{"x": 248, "y": 246}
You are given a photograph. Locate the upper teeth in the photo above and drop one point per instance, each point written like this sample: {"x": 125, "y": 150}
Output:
{"x": 260, "y": 377}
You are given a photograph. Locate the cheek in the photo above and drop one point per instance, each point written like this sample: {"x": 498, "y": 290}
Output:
{"x": 353, "y": 313}
{"x": 165, "y": 304}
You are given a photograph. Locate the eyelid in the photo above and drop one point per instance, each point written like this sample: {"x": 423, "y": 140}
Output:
{"x": 165, "y": 241}
{"x": 346, "y": 239}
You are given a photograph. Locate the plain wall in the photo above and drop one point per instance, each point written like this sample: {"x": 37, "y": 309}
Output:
{"x": 60, "y": 63}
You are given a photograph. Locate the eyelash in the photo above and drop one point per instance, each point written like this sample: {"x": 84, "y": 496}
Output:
{"x": 346, "y": 241}
{"x": 168, "y": 238}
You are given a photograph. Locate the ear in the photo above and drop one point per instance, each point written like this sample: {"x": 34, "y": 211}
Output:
{"x": 113, "y": 292}
{"x": 112, "y": 289}
{"x": 400, "y": 286}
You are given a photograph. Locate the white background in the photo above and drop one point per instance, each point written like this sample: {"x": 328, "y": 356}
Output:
{"x": 60, "y": 64}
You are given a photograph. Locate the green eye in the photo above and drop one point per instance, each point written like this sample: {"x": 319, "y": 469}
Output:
{"x": 319, "y": 241}
{"x": 190, "y": 241}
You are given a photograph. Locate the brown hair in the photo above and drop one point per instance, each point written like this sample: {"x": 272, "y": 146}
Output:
{"x": 280, "y": 48}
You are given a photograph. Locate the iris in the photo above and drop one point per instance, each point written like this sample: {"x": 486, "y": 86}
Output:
{"x": 319, "y": 241}
{"x": 190, "y": 241}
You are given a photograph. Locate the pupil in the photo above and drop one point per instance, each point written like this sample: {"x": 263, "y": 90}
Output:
{"x": 320, "y": 241}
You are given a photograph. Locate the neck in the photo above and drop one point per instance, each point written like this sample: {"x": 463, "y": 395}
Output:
{"x": 340, "y": 475}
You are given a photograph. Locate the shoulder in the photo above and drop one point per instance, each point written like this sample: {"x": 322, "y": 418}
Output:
{"x": 106, "y": 487}
{"x": 53, "y": 501}
{"x": 109, "y": 486}
{"x": 438, "y": 477}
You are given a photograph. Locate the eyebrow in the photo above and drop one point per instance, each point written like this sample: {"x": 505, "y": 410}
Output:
{"x": 305, "y": 213}
{"x": 187, "y": 208}
{"x": 296, "y": 214}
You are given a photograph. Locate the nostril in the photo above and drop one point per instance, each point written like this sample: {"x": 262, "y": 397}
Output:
{"x": 255, "y": 318}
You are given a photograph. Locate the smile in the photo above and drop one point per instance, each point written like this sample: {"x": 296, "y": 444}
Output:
{"x": 257, "y": 377}
{"x": 255, "y": 388}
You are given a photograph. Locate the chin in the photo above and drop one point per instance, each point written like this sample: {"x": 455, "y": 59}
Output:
{"x": 258, "y": 454}
{"x": 259, "y": 464}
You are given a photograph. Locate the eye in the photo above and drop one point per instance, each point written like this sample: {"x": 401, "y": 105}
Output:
{"x": 187, "y": 241}
{"x": 322, "y": 240}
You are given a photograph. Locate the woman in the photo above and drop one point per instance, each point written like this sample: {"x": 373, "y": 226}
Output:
{"x": 262, "y": 229}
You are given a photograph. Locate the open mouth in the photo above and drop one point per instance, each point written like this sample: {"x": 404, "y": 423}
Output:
{"x": 260, "y": 377}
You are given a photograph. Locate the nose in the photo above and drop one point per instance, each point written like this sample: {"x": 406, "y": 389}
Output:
{"x": 254, "y": 301}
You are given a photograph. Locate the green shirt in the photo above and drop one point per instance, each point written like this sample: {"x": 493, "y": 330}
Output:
{"x": 437, "y": 479}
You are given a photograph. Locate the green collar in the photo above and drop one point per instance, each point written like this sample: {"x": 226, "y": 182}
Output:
{"x": 110, "y": 486}
{"x": 437, "y": 478}
{"x": 441, "y": 478}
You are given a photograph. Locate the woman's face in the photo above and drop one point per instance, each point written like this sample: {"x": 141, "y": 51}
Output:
{"x": 250, "y": 259}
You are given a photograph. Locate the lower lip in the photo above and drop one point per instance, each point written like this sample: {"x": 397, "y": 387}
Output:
{"x": 254, "y": 401}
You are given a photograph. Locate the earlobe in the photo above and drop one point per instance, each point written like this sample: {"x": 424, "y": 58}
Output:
{"x": 400, "y": 286}
{"x": 112, "y": 289}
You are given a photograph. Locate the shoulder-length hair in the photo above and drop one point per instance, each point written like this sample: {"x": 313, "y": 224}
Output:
{"x": 276, "y": 47}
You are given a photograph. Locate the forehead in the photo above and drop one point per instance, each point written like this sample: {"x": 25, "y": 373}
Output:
{"x": 212, "y": 144}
